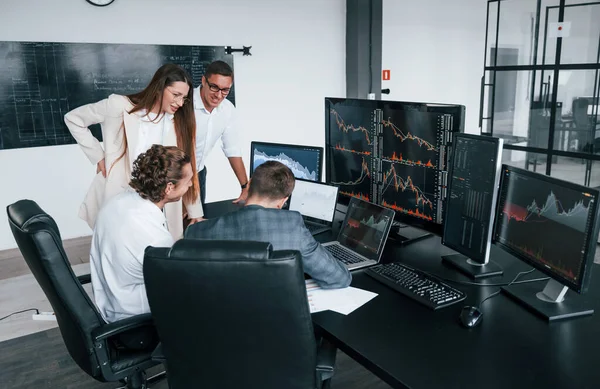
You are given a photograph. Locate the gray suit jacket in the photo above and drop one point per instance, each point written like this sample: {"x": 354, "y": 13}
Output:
{"x": 285, "y": 230}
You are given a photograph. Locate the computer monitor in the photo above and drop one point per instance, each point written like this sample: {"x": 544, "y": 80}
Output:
{"x": 304, "y": 161}
{"x": 551, "y": 225}
{"x": 393, "y": 154}
{"x": 473, "y": 179}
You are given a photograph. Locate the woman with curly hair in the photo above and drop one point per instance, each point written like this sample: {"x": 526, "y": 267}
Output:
{"x": 131, "y": 221}
{"x": 162, "y": 113}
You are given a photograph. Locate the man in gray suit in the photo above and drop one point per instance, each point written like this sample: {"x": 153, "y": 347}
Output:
{"x": 263, "y": 220}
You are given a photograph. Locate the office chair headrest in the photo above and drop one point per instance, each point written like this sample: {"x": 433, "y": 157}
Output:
{"x": 24, "y": 213}
{"x": 220, "y": 249}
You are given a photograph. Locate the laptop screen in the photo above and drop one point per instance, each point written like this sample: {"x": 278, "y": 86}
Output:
{"x": 366, "y": 228}
{"x": 314, "y": 199}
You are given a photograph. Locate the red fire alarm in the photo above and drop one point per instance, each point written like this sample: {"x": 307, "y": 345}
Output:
{"x": 386, "y": 75}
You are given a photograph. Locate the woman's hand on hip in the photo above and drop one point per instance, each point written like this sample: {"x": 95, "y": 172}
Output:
{"x": 101, "y": 168}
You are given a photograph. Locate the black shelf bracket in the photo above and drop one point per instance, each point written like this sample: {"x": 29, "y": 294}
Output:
{"x": 244, "y": 49}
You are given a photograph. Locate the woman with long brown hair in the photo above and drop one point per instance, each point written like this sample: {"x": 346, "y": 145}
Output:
{"x": 163, "y": 113}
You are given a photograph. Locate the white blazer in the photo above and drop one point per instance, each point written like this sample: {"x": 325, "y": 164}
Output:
{"x": 117, "y": 123}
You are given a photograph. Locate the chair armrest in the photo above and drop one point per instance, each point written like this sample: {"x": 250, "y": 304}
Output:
{"x": 84, "y": 279}
{"x": 118, "y": 327}
{"x": 158, "y": 355}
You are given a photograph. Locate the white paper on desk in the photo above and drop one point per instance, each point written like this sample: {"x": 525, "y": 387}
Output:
{"x": 343, "y": 301}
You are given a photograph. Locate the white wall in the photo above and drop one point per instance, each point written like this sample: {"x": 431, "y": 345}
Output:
{"x": 434, "y": 50}
{"x": 298, "y": 58}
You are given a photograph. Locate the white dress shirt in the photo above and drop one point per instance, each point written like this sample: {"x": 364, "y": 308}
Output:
{"x": 210, "y": 126}
{"x": 125, "y": 226}
{"x": 152, "y": 132}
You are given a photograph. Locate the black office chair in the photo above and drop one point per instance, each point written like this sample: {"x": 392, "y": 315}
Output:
{"x": 86, "y": 335}
{"x": 234, "y": 315}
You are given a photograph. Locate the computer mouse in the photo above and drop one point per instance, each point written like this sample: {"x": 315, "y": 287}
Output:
{"x": 470, "y": 316}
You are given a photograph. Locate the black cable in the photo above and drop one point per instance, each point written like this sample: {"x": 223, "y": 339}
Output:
{"x": 480, "y": 284}
{"x": 37, "y": 312}
{"x": 499, "y": 290}
{"x": 499, "y": 284}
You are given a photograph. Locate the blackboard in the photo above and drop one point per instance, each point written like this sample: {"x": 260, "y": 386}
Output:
{"x": 41, "y": 81}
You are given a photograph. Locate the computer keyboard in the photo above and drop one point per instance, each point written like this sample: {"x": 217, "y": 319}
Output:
{"x": 416, "y": 284}
{"x": 345, "y": 256}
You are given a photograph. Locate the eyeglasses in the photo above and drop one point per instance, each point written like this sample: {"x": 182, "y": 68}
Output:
{"x": 215, "y": 88}
{"x": 178, "y": 98}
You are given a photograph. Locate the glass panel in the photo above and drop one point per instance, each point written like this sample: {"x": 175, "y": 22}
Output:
{"x": 577, "y": 126}
{"x": 595, "y": 175}
{"x": 581, "y": 33}
{"x": 570, "y": 169}
{"x": 540, "y": 111}
{"x": 512, "y": 96}
{"x": 491, "y": 32}
{"x": 547, "y": 32}
{"x": 535, "y": 162}
{"x": 516, "y": 33}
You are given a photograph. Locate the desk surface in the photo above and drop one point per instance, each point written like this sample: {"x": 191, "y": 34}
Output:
{"x": 410, "y": 346}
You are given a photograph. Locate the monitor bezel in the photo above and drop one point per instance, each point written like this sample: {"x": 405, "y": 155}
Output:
{"x": 498, "y": 142}
{"x": 584, "y": 276}
{"x": 310, "y": 218}
{"x": 319, "y": 149}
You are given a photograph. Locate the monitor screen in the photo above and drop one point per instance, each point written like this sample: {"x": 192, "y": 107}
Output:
{"x": 473, "y": 180}
{"x": 366, "y": 228}
{"x": 304, "y": 161}
{"x": 314, "y": 199}
{"x": 392, "y": 154}
{"x": 549, "y": 223}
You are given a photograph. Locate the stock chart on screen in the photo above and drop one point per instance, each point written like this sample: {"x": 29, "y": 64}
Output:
{"x": 543, "y": 222}
{"x": 391, "y": 153}
{"x": 303, "y": 161}
{"x": 366, "y": 227}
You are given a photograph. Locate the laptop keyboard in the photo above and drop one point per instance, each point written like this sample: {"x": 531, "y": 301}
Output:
{"x": 345, "y": 256}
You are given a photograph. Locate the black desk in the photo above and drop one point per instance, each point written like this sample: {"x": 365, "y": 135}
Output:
{"x": 410, "y": 346}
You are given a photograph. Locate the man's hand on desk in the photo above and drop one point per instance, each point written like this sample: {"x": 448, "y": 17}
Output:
{"x": 243, "y": 196}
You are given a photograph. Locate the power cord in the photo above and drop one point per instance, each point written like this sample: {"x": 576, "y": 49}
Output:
{"x": 513, "y": 282}
{"x": 499, "y": 284}
{"x": 37, "y": 312}
{"x": 499, "y": 290}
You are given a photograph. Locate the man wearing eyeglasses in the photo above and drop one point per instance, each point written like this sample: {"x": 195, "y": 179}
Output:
{"x": 215, "y": 118}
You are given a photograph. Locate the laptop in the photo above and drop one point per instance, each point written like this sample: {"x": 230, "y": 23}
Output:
{"x": 362, "y": 235}
{"x": 316, "y": 203}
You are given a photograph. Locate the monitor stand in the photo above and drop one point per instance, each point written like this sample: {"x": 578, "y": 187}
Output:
{"x": 473, "y": 269}
{"x": 405, "y": 234}
{"x": 549, "y": 303}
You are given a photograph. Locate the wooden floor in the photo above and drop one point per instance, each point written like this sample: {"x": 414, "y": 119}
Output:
{"x": 12, "y": 263}
{"x": 41, "y": 360}
{"x": 19, "y": 290}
